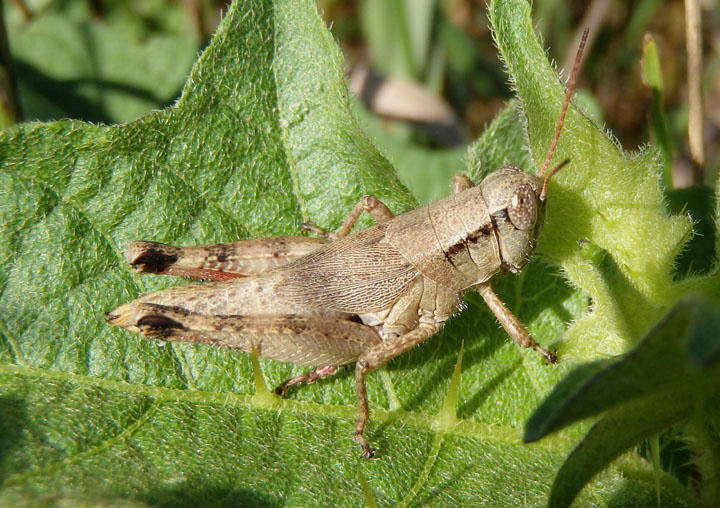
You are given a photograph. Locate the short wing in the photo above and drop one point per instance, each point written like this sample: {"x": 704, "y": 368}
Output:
{"x": 357, "y": 274}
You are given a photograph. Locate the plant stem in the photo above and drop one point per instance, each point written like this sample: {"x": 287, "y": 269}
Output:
{"x": 693, "y": 43}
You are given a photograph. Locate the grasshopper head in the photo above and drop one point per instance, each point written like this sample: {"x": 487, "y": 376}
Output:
{"x": 516, "y": 204}
{"x": 516, "y": 210}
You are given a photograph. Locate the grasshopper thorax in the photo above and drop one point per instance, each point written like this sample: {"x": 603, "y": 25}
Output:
{"x": 468, "y": 237}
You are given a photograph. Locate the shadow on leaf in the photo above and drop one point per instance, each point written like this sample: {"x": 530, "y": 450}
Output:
{"x": 13, "y": 419}
{"x": 195, "y": 492}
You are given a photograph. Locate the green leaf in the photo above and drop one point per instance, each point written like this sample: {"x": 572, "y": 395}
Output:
{"x": 261, "y": 140}
{"x": 659, "y": 384}
{"x": 392, "y": 47}
{"x": 604, "y": 195}
{"x": 616, "y": 433}
{"x": 654, "y": 366}
{"x": 70, "y": 65}
{"x": 504, "y": 142}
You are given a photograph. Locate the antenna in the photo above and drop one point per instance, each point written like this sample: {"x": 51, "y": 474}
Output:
{"x": 561, "y": 119}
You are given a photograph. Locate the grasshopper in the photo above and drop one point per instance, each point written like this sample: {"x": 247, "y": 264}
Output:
{"x": 364, "y": 297}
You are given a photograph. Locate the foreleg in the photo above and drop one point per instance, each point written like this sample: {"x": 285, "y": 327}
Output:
{"x": 515, "y": 329}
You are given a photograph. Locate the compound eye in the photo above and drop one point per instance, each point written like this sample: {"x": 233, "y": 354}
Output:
{"x": 522, "y": 208}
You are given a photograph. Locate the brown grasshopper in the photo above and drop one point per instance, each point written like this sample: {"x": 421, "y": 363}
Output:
{"x": 365, "y": 297}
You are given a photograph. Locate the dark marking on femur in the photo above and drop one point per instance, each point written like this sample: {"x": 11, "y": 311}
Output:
{"x": 220, "y": 253}
{"x": 154, "y": 260}
{"x": 296, "y": 326}
{"x": 159, "y": 322}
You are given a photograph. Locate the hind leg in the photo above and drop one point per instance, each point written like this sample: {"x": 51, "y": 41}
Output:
{"x": 222, "y": 261}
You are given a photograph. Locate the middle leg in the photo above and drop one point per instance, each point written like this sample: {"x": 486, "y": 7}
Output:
{"x": 368, "y": 203}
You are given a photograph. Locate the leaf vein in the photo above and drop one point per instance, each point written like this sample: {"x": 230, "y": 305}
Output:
{"x": 95, "y": 450}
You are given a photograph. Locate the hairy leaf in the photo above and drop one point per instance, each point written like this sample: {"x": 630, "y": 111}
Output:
{"x": 663, "y": 382}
